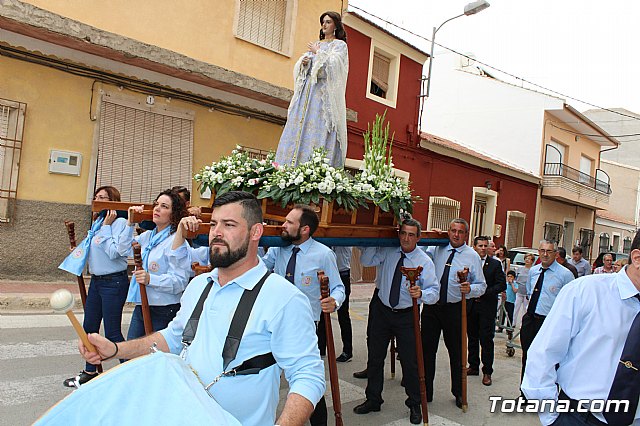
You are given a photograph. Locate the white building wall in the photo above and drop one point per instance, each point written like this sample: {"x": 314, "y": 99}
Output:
{"x": 488, "y": 115}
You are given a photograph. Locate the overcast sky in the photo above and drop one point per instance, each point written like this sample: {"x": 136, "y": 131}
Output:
{"x": 585, "y": 49}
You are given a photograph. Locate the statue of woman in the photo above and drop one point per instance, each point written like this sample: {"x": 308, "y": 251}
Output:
{"x": 317, "y": 113}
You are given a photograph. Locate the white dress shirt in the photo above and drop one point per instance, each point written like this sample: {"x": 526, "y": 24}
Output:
{"x": 585, "y": 333}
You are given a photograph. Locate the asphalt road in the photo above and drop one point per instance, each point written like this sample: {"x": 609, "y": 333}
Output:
{"x": 38, "y": 351}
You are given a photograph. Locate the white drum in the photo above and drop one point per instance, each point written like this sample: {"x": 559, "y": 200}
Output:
{"x": 155, "y": 389}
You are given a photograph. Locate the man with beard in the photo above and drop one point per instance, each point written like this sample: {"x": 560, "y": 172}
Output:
{"x": 281, "y": 325}
{"x": 299, "y": 263}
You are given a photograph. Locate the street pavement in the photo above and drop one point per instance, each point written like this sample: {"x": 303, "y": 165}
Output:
{"x": 38, "y": 350}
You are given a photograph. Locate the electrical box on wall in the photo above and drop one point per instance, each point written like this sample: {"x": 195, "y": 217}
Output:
{"x": 65, "y": 162}
{"x": 497, "y": 230}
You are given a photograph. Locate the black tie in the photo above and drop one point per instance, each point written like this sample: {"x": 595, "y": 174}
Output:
{"x": 394, "y": 293}
{"x": 444, "y": 279}
{"x": 626, "y": 383}
{"x": 291, "y": 266}
{"x": 536, "y": 293}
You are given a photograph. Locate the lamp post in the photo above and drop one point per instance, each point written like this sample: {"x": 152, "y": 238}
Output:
{"x": 470, "y": 9}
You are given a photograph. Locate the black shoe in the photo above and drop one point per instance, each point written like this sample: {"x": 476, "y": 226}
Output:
{"x": 473, "y": 371}
{"x": 366, "y": 407}
{"x": 360, "y": 374}
{"x": 80, "y": 379}
{"x": 344, "y": 357}
{"x": 415, "y": 415}
{"x": 459, "y": 401}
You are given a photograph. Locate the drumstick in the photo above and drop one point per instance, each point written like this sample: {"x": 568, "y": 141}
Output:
{"x": 331, "y": 351}
{"x": 62, "y": 301}
{"x": 412, "y": 275}
{"x": 146, "y": 312}
{"x": 462, "y": 277}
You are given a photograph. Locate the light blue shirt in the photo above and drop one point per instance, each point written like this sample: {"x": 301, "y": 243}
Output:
{"x": 388, "y": 257}
{"x": 343, "y": 257}
{"x": 554, "y": 279}
{"x": 312, "y": 257}
{"x": 511, "y": 295}
{"x": 104, "y": 257}
{"x": 585, "y": 333}
{"x": 583, "y": 267}
{"x": 465, "y": 256}
{"x": 281, "y": 322}
{"x": 169, "y": 270}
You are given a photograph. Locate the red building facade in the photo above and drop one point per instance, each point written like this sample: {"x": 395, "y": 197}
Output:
{"x": 497, "y": 199}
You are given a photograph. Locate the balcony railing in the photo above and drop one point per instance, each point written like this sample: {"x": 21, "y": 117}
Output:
{"x": 559, "y": 169}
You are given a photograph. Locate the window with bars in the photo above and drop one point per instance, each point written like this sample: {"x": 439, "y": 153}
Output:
{"x": 143, "y": 152}
{"x": 266, "y": 23}
{"x": 626, "y": 245}
{"x": 380, "y": 75}
{"x": 603, "y": 243}
{"x": 11, "y": 129}
{"x": 442, "y": 210}
{"x": 586, "y": 239}
{"x": 515, "y": 229}
{"x": 553, "y": 232}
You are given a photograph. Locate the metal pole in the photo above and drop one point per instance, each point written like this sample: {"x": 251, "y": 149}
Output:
{"x": 433, "y": 42}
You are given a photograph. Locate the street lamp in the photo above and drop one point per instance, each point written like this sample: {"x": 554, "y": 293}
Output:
{"x": 470, "y": 9}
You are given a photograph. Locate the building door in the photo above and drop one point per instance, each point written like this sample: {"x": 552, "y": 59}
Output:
{"x": 567, "y": 238}
{"x": 479, "y": 215}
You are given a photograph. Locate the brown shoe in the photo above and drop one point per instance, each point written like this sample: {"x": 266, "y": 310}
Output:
{"x": 486, "y": 379}
{"x": 472, "y": 372}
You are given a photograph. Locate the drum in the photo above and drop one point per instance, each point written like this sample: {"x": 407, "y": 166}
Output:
{"x": 155, "y": 389}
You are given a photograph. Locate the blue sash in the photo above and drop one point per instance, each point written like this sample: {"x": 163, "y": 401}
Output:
{"x": 77, "y": 259}
{"x": 156, "y": 238}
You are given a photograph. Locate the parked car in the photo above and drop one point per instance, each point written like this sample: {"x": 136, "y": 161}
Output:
{"x": 598, "y": 262}
{"x": 516, "y": 255}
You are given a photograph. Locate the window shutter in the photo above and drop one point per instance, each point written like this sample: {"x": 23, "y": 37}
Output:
{"x": 515, "y": 229}
{"x": 380, "y": 71}
{"x": 143, "y": 152}
{"x": 442, "y": 210}
{"x": 263, "y": 22}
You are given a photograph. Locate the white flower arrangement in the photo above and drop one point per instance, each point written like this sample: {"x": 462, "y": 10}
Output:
{"x": 377, "y": 181}
{"x": 235, "y": 172}
{"x": 310, "y": 181}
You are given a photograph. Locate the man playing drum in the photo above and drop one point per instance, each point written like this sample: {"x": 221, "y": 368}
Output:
{"x": 281, "y": 325}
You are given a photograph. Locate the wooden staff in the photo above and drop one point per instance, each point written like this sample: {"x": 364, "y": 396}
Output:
{"x": 462, "y": 277}
{"x": 146, "y": 312}
{"x": 71, "y": 230}
{"x": 412, "y": 275}
{"x": 392, "y": 354}
{"x": 331, "y": 351}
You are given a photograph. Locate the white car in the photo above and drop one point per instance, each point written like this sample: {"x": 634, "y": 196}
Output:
{"x": 516, "y": 256}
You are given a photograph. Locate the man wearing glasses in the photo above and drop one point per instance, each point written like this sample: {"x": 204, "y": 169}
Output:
{"x": 543, "y": 285}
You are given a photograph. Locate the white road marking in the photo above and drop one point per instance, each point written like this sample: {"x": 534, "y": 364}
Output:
{"x": 42, "y": 348}
{"x": 22, "y": 391}
{"x": 46, "y": 320}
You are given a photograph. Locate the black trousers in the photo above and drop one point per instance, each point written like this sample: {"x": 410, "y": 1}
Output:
{"x": 531, "y": 324}
{"x": 383, "y": 324}
{"x": 481, "y": 329}
{"x": 448, "y": 320}
{"x": 344, "y": 320}
{"x": 319, "y": 415}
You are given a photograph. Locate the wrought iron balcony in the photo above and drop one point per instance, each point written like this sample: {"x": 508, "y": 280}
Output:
{"x": 559, "y": 169}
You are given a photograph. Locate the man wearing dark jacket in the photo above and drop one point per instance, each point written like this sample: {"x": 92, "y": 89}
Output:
{"x": 481, "y": 313}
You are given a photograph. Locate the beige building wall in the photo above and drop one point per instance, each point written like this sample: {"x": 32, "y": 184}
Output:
{"x": 558, "y": 212}
{"x": 575, "y": 146}
{"x": 203, "y": 30}
{"x": 625, "y": 181}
